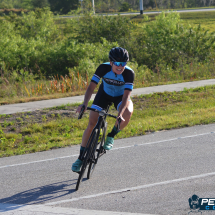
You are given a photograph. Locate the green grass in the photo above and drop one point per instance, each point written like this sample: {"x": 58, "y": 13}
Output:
{"x": 206, "y": 19}
{"x": 137, "y": 11}
{"x": 154, "y": 112}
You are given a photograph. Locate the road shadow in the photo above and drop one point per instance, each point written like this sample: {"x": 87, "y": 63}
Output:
{"x": 39, "y": 195}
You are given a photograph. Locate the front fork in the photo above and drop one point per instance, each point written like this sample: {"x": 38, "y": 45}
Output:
{"x": 101, "y": 150}
{"x": 102, "y": 133}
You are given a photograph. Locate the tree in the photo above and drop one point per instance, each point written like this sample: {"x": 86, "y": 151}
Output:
{"x": 125, "y": 7}
{"x": 63, "y": 6}
{"x": 6, "y": 4}
{"x": 40, "y": 3}
{"x": 26, "y": 4}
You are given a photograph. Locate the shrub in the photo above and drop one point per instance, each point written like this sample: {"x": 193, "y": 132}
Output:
{"x": 92, "y": 28}
{"x": 166, "y": 40}
{"x": 125, "y": 7}
{"x": 36, "y": 44}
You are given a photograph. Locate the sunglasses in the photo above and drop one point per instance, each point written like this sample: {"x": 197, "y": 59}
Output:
{"x": 120, "y": 63}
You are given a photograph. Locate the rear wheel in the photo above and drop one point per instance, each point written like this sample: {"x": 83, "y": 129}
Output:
{"x": 87, "y": 158}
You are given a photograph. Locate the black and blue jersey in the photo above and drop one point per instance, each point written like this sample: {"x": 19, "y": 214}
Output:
{"x": 114, "y": 84}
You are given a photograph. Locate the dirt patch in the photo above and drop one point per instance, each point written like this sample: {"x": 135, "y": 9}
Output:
{"x": 14, "y": 122}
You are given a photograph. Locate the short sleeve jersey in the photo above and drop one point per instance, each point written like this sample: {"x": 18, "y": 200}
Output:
{"x": 114, "y": 84}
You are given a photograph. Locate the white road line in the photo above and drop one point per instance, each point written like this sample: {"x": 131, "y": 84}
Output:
{"x": 162, "y": 141}
{"x": 133, "y": 188}
{"x": 124, "y": 147}
{"x": 51, "y": 159}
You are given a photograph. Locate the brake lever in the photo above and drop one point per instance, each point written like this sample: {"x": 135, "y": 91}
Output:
{"x": 82, "y": 112}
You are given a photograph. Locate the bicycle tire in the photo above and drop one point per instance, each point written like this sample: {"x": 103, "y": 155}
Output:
{"x": 86, "y": 159}
{"x": 95, "y": 154}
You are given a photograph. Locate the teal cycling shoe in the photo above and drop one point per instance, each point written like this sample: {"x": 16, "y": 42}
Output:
{"x": 108, "y": 143}
{"x": 76, "y": 167}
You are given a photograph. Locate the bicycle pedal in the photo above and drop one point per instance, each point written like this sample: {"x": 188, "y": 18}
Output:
{"x": 77, "y": 172}
{"x": 103, "y": 150}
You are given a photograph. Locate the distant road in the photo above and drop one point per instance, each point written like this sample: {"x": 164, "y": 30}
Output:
{"x": 179, "y": 11}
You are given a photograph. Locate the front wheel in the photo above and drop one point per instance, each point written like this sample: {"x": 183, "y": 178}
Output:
{"x": 98, "y": 149}
{"x": 87, "y": 158}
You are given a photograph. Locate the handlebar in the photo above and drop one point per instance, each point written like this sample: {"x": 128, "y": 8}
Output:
{"x": 95, "y": 110}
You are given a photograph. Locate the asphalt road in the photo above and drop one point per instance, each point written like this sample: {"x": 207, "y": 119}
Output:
{"x": 151, "y": 174}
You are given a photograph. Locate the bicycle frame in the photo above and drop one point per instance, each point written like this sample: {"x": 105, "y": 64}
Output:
{"x": 94, "y": 144}
{"x": 100, "y": 124}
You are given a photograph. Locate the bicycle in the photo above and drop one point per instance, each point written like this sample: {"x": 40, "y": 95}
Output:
{"x": 94, "y": 148}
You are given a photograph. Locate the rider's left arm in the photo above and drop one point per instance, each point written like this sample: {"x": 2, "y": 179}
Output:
{"x": 125, "y": 99}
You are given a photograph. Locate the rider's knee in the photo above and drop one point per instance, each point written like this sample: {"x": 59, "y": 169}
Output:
{"x": 129, "y": 113}
{"x": 130, "y": 108}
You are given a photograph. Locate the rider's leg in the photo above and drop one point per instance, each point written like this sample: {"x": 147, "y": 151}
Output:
{"x": 127, "y": 116}
{"x": 100, "y": 102}
{"x": 92, "y": 122}
{"x": 93, "y": 118}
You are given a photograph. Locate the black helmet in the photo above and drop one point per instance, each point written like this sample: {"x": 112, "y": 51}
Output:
{"x": 118, "y": 54}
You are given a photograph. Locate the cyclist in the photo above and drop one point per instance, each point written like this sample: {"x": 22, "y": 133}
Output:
{"x": 116, "y": 87}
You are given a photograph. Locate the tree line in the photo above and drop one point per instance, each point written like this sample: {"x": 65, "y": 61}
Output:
{"x": 65, "y": 6}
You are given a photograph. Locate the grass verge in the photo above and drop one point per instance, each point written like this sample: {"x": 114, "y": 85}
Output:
{"x": 204, "y": 18}
{"x": 52, "y": 128}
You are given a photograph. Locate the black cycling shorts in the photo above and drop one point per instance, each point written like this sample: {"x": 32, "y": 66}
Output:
{"x": 102, "y": 100}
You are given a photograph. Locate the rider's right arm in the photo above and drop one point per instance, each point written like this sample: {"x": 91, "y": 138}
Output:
{"x": 89, "y": 93}
{"x": 100, "y": 72}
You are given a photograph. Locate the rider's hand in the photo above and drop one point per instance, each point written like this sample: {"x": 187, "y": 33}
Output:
{"x": 79, "y": 108}
{"x": 120, "y": 117}
{"x": 118, "y": 121}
